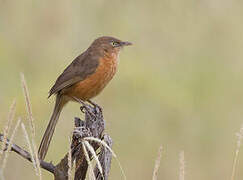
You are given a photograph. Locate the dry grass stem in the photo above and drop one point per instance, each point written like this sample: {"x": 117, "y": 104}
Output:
{"x": 8, "y": 125}
{"x": 10, "y": 145}
{"x": 112, "y": 152}
{"x": 92, "y": 151}
{"x": 37, "y": 161}
{"x": 101, "y": 143}
{"x": 157, "y": 164}
{"x": 30, "y": 148}
{"x": 182, "y": 166}
{"x": 31, "y": 124}
{"x": 69, "y": 160}
{"x": 91, "y": 172}
{"x": 238, "y": 144}
{"x": 28, "y": 105}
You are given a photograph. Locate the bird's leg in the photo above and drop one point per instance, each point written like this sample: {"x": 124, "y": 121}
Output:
{"x": 96, "y": 106}
{"x": 84, "y": 106}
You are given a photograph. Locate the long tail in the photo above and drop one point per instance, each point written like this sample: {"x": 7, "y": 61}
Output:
{"x": 46, "y": 139}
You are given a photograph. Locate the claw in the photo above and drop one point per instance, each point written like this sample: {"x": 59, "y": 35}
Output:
{"x": 86, "y": 108}
{"x": 96, "y": 106}
{"x": 82, "y": 109}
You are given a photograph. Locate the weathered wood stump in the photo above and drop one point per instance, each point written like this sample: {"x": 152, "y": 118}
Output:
{"x": 92, "y": 126}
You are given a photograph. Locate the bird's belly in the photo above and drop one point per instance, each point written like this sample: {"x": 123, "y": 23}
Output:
{"x": 95, "y": 83}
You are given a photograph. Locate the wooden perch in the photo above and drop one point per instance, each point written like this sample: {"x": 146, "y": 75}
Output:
{"x": 92, "y": 126}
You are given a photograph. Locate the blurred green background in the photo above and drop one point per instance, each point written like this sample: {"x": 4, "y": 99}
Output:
{"x": 179, "y": 85}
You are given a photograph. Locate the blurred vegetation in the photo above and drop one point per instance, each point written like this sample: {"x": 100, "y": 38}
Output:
{"x": 180, "y": 85}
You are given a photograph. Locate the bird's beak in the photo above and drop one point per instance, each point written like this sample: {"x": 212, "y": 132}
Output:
{"x": 126, "y": 43}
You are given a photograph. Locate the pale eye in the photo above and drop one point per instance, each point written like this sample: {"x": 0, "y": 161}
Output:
{"x": 114, "y": 44}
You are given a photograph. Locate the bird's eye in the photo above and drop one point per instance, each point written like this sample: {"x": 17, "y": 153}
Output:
{"x": 114, "y": 44}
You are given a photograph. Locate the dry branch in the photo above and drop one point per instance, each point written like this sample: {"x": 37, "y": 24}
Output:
{"x": 26, "y": 155}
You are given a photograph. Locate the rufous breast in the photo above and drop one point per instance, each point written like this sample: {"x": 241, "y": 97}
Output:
{"x": 95, "y": 83}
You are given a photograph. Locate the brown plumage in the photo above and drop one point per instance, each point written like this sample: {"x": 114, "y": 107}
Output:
{"x": 84, "y": 78}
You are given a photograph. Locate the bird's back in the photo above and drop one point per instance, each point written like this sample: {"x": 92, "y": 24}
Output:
{"x": 81, "y": 67}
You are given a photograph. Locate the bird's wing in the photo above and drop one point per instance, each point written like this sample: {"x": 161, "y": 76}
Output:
{"x": 83, "y": 66}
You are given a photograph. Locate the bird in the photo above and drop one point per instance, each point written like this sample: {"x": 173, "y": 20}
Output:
{"x": 84, "y": 78}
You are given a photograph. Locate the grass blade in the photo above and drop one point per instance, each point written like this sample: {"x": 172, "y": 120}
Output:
{"x": 30, "y": 148}
{"x": 70, "y": 160}
{"x": 91, "y": 172}
{"x": 157, "y": 164}
{"x": 236, "y": 156}
{"x": 92, "y": 151}
{"x": 37, "y": 161}
{"x": 102, "y": 143}
{"x": 105, "y": 145}
{"x": 10, "y": 145}
{"x": 182, "y": 166}
{"x": 8, "y": 125}
{"x": 28, "y": 104}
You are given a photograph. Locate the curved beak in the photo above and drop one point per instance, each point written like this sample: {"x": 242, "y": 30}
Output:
{"x": 126, "y": 43}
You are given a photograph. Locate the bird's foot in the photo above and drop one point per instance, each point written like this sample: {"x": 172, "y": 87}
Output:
{"x": 85, "y": 107}
{"x": 96, "y": 106}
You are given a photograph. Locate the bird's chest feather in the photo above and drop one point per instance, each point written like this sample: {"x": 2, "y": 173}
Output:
{"x": 105, "y": 72}
{"x": 96, "y": 82}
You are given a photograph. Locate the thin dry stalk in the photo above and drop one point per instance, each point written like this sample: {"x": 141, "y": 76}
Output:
{"x": 101, "y": 143}
{"x": 236, "y": 157}
{"x": 112, "y": 152}
{"x": 92, "y": 151}
{"x": 30, "y": 148}
{"x": 10, "y": 145}
{"x": 31, "y": 122}
{"x": 37, "y": 161}
{"x": 91, "y": 172}
{"x": 8, "y": 125}
{"x": 182, "y": 166}
{"x": 157, "y": 164}
{"x": 28, "y": 105}
{"x": 69, "y": 160}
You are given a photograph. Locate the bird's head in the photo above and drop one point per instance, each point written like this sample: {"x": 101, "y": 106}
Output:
{"x": 109, "y": 45}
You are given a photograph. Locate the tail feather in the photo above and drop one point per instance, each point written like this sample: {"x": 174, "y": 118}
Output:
{"x": 46, "y": 139}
